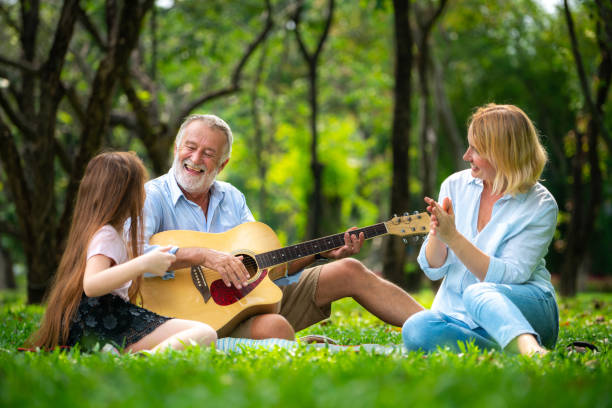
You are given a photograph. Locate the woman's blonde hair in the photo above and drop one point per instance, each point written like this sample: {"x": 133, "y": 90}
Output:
{"x": 506, "y": 137}
{"x": 111, "y": 191}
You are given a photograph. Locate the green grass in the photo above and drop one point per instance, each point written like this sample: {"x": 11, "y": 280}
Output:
{"x": 313, "y": 378}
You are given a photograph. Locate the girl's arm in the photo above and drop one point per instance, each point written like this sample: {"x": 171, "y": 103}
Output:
{"x": 101, "y": 278}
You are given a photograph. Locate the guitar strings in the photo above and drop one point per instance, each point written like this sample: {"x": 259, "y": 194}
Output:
{"x": 308, "y": 248}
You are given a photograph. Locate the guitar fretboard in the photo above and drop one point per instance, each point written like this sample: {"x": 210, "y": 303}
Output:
{"x": 316, "y": 246}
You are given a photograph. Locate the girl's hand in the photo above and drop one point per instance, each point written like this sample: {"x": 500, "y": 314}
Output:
{"x": 157, "y": 261}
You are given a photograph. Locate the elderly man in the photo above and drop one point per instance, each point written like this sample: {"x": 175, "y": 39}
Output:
{"x": 189, "y": 197}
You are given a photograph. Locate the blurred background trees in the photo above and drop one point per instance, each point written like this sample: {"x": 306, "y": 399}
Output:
{"x": 343, "y": 112}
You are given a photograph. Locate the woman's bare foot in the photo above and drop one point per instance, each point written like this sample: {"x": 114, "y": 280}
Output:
{"x": 527, "y": 344}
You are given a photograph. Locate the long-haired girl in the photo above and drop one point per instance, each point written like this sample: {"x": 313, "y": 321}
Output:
{"x": 100, "y": 273}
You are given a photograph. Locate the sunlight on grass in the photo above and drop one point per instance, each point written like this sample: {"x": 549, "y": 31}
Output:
{"x": 313, "y": 378}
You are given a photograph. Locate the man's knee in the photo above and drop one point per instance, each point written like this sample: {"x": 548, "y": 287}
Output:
{"x": 348, "y": 269}
{"x": 271, "y": 326}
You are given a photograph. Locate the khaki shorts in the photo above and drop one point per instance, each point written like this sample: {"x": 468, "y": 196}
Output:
{"x": 298, "y": 305}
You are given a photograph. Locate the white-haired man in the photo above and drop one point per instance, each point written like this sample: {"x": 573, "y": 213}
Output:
{"x": 189, "y": 197}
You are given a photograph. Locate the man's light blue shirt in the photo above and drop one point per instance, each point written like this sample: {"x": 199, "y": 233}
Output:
{"x": 516, "y": 239}
{"x": 167, "y": 208}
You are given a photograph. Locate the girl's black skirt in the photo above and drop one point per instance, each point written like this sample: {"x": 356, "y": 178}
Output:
{"x": 110, "y": 319}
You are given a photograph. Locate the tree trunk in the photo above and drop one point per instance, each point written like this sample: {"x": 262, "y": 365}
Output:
{"x": 7, "y": 273}
{"x": 33, "y": 185}
{"x": 315, "y": 200}
{"x": 259, "y": 145}
{"x": 395, "y": 252}
{"x": 428, "y": 139}
{"x": 585, "y": 204}
{"x": 446, "y": 116}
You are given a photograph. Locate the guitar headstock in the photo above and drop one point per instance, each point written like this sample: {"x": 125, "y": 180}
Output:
{"x": 408, "y": 224}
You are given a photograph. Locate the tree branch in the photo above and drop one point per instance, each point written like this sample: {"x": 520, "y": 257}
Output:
{"x": 123, "y": 40}
{"x": 121, "y": 119}
{"x": 84, "y": 19}
{"x": 237, "y": 73}
{"x": 7, "y": 17}
{"x": 426, "y": 24}
{"x": 75, "y": 102}
{"x": 328, "y": 21}
{"x": 63, "y": 156}
{"x": 9, "y": 229}
{"x": 298, "y": 36}
{"x": 604, "y": 70}
{"x": 311, "y": 58}
{"x": 19, "y": 121}
{"x": 52, "y": 68}
{"x": 11, "y": 162}
{"x": 22, "y": 65}
{"x": 140, "y": 110}
{"x": 586, "y": 90}
{"x": 254, "y": 44}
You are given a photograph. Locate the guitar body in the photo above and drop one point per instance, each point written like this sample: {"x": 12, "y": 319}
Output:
{"x": 185, "y": 295}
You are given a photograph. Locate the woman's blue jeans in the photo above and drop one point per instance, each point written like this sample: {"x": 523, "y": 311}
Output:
{"x": 502, "y": 313}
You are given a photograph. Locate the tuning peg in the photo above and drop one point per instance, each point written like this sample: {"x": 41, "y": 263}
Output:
{"x": 406, "y": 214}
{"x": 405, "y": 240}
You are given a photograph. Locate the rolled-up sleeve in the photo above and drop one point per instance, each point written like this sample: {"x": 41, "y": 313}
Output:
{"x": 432, "y": 273}
{"x": 436, "y": 273}
{"x": 244, "y": 211}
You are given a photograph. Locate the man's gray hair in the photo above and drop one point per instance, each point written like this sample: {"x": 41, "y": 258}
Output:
{"x": 213, "y": 122}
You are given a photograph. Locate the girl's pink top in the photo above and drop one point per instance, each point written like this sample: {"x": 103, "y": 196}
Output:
{"x": 108, "y": 242}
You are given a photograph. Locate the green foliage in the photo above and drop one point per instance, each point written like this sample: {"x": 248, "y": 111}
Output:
{"x": 490, "y": 50}
{"x": 307, "y": 377}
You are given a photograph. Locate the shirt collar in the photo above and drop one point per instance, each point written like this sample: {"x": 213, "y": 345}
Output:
{"x": 520, "y": 197}
{"x": 175, "y": 190}
{"x": 216, "y": 190}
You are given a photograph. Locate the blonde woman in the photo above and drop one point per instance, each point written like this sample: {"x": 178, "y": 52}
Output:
{"x": 490, "y": 231}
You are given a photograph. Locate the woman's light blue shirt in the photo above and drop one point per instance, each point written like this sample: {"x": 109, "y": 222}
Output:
{"x": 516, "y": 239}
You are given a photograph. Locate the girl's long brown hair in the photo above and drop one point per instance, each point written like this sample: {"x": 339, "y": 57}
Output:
{"x": 111, "y": 191}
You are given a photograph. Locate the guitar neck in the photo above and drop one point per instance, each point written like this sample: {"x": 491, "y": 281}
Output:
{"x": 315, "y": 246}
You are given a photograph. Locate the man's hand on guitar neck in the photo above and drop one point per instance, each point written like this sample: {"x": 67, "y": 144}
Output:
{"x": 352, "y": 246}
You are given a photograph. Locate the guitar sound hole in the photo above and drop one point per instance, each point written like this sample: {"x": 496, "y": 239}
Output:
{"x": 249, "y": 264}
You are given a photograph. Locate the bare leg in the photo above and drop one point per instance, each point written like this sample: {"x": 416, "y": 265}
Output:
{"x": 271, "y": 325}
{"x": 349, "y": 277}
{"x": 176, "y": 333}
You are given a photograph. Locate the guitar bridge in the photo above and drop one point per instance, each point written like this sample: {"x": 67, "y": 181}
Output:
{"x": 199, "y": 282}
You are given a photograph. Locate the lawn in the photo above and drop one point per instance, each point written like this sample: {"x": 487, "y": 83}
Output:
{"x": 313, "y": 378}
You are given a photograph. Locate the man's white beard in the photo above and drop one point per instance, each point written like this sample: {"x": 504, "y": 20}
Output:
{"x": 193, "y": 184}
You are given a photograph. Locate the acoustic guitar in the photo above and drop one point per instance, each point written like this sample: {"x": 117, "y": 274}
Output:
{"x": 198, "y": 293}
